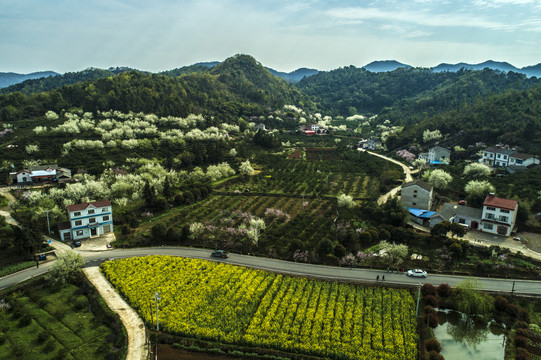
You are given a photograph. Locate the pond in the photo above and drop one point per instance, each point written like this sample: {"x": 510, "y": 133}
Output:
{"x": 463, "y": 338}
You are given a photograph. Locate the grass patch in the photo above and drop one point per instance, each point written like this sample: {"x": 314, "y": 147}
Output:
{"x": 13, "y": 268}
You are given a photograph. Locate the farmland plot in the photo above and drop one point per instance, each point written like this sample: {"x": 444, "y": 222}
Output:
{"x": 236, "y": 305}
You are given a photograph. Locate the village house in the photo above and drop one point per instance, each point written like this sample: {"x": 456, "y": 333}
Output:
{"x": 87, "y": 220}
{"x": 436, "y": 155}
{"x": 417, "y": 194}
{"x": 370, "y": 144}
{"x": 499, "y": 157}
{"x": 499, "y": 215}
{"x": 461, "y": 214}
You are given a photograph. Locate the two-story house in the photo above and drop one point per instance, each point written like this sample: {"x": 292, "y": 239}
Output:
{"x": 499, "y": 215}
{"x": 417, "y": 194}
{"x": 436, "y": 155}
{"x": 493, "y": 156}
{"x": 87, "y": 220}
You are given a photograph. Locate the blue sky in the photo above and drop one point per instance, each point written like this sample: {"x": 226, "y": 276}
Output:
{"x": 155, "y": 35}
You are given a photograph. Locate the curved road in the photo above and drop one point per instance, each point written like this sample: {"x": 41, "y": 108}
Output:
{"x": 527, "y": 287}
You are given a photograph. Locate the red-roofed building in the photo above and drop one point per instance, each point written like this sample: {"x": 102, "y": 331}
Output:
{"x": 499, "y": 215}
{"x": 87, "y": 220}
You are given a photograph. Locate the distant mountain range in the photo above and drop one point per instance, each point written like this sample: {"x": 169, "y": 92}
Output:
{"x": 10, "y": 78}
{"x": 391, "y": 65}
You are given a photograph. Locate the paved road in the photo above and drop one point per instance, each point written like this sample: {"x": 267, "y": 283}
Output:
{"x": 327, "y": 272}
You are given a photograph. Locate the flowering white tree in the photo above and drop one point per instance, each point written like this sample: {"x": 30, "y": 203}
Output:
{"x": 51, "y": 115}
{"x": 233, "y": 152}
{"x": 30, "y": 149}
{"x": 431, "y": 135}
{"x": 256, "y": 225}
{"x": 439, "y": 178}
{"x": 478, "y": 188}
{"x": 346, "y": 201}
{"x": 246, "y": 168}
{"x": 38, "y": 130}
{"x": 476, "y": 170}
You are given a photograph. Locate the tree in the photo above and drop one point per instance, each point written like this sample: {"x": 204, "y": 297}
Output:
{"x": 256, "y": 225}
{"x": 419, "y": 164}
{"x": 346, "y": 201}
{"x": 167, "y": 191}
{"x": 394, "y": 253}
{"x": 246, "y": 168}
{"x": 324, "y": 248}
{"x": 440, "y": 229}
{"x": 28, "y": 238}
{"x": 439, "y": 178}
{"x": 431, "y": 135}
{"x": 476, "y": 170}
{"x": 479, "y": 188}
{"x": 67, "y": 268}
{"x": 470, "y": 301}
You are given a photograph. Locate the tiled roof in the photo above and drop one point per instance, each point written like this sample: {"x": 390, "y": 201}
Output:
{"x": 497, "y": 202}
{"x": 449, "y": 210}
{"x": 522, "y": 156}
{"x": 83, "y": 206}
{"x": 500, "y": 150}
{"x": 64, "y": 225}
{"x": 419, "y": 183}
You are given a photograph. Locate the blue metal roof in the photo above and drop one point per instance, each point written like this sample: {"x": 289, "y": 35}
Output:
{"x": 421, "y": 213}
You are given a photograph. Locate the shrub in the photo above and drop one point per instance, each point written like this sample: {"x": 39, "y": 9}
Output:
{"x": 501, "y": 303}
{"x": 433, "y": 355}
{"x": 428, "y": 289}
{"x": 521, "y": 325}
{"x": 521, "y": 341}
{"x": 522, "y": 354}
{"x": 512, "y": 310}
{"x": 340, "y": 251}
{"x": 80, "y": 303}
{"x": 429, "y": 310}
{"x": 431, "y": 300}
{"x": 523, "y": 315}
{"x": 330, "y": 259}
{"x": 25, "y": 320}
{"x": 432, "y": 345}
{"x": 2, "y": 338}
{"x": 49, "y": 346}
{"x": 444, "y": 290}
{"x": 523, "y": 332}
{"x": 43, "y": 336}
{"x": 431, "y": 320}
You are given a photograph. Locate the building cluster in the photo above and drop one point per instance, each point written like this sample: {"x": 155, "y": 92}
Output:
{"x": 509, "y": 159}
{"x": 498, "y": 215}
{"x": 40, "y": 174}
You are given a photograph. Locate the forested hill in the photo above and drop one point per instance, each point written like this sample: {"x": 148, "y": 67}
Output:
{"x": 51, "y": 82}
{"x": 513, "y": 118}
{"x": 350, "y": 90}
{"x": 239, "y": 86}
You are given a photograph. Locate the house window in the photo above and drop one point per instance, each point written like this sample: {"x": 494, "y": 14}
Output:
{"x": 461, "y": 221}
{"x": 78, "y": 213}
{"x": 504, "y": 211}
{"x": 415, "y": 191}
{"x": 490, "y": 216}
{"x": 505, "y": 157}
{"x": 519, "y": 162}
{"x": 414, "y": 195}
{"x": 486, "y": 154}
{"x": 491, "y": 208}
{"x": 79, "y": 233}
{"x": 92, "y": 220}
{"x": 414, "y": 203}
{"x": 91, "y": 211}
{"x": 105, "y": 209}
{"x": 488, "y": 226}
{"x": 106, "y": 218}
{"x": 499, "y": 156}
{"x": 78, "y": 223}
{"x": 504, "y": 218}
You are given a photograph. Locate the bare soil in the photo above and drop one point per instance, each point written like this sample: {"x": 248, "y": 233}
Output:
{"x": 167, "y": 352}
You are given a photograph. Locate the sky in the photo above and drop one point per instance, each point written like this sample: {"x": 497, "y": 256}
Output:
{"x": 157, "y": 35}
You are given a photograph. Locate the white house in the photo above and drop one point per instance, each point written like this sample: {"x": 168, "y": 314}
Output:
{"x": 87, "y": 220}
{"x": 371, "y": 144}
{"x": 436, "y": 155}
{"x": 460, "y": 214}
{"x": 493, "y": 156}
{"x": 518, "y": 159}
{"x": 41, "y": 174}
{"x": 499, "y": 215}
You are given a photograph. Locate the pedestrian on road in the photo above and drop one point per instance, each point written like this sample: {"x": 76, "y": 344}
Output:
{"x": 377, "y": 278}
{"x": 37, "y": 263}
{"x": 383, "y": 278}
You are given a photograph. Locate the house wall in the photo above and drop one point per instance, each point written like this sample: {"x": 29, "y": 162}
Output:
{"x": 496, "y": 220}
{"x": 98, "y": 218}
{"x": 437, "y": 154}
{"x": 416, "y": 197}
{"x": 23, "y": 177}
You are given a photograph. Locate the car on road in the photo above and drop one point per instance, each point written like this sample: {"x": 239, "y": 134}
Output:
{"x": 76, "y": 243}
{"x": 417, "y": 273}
{"x": 220, "y": 254}
{"x": 517, "y": 238}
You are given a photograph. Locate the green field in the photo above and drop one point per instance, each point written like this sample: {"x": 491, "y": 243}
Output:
{"x": 236, "y": 305}
{"x": 48, "y": 323}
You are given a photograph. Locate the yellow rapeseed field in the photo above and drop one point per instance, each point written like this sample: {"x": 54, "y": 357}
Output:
{"x": 238, "y": 305}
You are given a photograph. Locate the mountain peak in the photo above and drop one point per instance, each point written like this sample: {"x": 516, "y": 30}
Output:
{"x": 385, "y": 65}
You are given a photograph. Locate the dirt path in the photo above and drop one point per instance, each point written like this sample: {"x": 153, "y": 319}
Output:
{"x": 383, "y": 198}
{"x": 137, "y": 349}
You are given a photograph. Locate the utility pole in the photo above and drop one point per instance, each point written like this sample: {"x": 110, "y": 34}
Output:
{"x": 513, "y": 289}
{"x": 157, "y": 298}
{"x": 418, "y": 296}
{"x": 48, "y": 224}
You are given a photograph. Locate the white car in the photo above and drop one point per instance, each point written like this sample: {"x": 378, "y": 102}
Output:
{"x": 417, "y": 273}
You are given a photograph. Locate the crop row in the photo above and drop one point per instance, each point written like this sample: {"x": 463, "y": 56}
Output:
{"x": 237, "y": 305}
